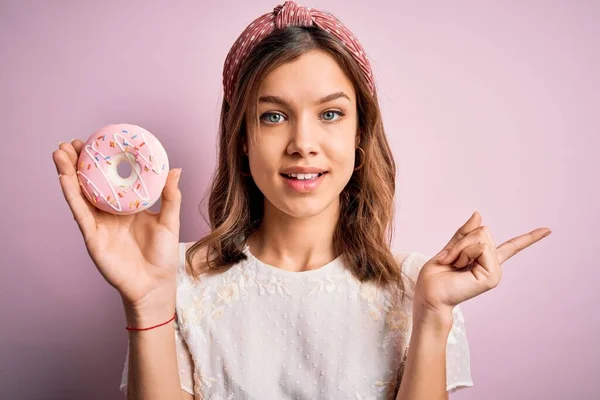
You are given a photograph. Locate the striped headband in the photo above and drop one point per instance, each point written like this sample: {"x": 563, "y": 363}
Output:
{"x": 290, "y": 14}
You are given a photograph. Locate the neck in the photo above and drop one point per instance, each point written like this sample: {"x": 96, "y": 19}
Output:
{"x": 295, "y": 243}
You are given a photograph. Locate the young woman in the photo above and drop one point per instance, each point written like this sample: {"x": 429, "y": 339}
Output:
{"x": 295, "y": 292}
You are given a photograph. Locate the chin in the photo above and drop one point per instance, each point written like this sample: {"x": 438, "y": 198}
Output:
{"x": 304, "y": 213}
{"x": 305, "y": 207}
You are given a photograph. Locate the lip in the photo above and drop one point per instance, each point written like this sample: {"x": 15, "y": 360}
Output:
{"x": 304, "y": 186}
{"x": 302, "y": 170}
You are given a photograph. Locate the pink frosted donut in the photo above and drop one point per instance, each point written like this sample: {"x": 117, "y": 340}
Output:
{"x": 128, "y": 147}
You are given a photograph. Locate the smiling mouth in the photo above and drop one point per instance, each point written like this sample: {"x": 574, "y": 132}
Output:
{"x": 303, "y": 177}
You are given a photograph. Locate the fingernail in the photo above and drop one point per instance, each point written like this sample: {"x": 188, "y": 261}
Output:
{"x": 59, "y": 143}
{"x": 73, "y": 139}
{"x": 442, "y": 255}
{"x": 59, "y": 175}
{"x": 546, "y": 234}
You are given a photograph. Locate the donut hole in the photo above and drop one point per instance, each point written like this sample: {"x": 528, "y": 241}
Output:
{"x": 124, "y": 169}
{"x": 121, "y": 172}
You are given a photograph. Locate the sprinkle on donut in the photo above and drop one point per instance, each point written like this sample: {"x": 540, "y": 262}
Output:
{"x": 115, "y": 144}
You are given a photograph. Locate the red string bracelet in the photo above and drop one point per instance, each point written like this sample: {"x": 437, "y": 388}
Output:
{"x": 152, "y": 327}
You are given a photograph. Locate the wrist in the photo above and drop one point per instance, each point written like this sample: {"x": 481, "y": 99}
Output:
{"x": 138, "y": 318}
{"x": 439, "y": 321}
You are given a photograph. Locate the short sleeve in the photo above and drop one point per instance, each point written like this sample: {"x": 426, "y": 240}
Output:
{"x": 184, "y": 358}
{"x": 458, "y": 358}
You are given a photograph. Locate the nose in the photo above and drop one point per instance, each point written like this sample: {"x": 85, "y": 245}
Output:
{"x": 303, "y": 137}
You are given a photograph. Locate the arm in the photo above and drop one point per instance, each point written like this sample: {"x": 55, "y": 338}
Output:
{"x": 424, "y": 375}
{"x": 153, "y": 372}
{"x": 156, "y": 355}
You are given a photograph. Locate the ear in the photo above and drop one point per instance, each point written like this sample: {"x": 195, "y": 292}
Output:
{"x": 244, "y": 144}
{"x": 357, "y": 138}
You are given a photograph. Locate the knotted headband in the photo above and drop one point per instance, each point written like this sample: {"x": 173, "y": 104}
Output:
{"x": 290, "y": 14}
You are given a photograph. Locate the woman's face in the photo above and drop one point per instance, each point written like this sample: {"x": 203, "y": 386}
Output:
{"x": 307, "y": 118}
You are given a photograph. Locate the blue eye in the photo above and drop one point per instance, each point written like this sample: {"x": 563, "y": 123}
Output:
{"x": 274, "y": 118}
{"x": 329, "y": 115}
{"x": 271, "y": 118}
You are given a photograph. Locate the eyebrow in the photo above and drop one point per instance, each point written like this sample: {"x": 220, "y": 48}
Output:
{"x": 282, "y": 102}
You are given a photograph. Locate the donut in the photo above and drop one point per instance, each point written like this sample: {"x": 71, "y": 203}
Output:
{"x": 109, "y": 155}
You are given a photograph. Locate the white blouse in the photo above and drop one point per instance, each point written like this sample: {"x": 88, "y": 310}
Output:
{"x": 260, "y": 332}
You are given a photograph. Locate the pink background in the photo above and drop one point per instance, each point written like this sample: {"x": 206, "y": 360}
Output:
{"x": 488, "y": 105}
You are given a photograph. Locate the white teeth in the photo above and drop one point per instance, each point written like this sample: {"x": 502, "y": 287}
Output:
{"x": 303, "y": 176}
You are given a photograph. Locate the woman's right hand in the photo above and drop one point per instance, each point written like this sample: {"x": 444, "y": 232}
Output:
{"x": 137, "y": 254}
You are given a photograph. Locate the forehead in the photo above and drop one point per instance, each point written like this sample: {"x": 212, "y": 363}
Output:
{"x": 314, "y": 74}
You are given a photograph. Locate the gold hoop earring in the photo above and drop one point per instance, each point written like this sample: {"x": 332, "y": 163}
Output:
{"x": 363, "y": 159}
{"x": 246, "y": 173}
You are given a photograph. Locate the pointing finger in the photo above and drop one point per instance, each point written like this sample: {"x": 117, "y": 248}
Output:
{"x": 513, "y": 246}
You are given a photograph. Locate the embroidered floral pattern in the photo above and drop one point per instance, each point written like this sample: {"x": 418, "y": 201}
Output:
{"x": 386, "y": 386}
{"x": 217, "y": 396}
{"x": 396, "y": 322}
{"x": 201, "y": 382}
{"x": 377, "y": 300}
{"x": 245, "y": 287}
{"x": 333, "y": 283}
{"x": 233, "y": 286}
{"x": 326, "y": 284}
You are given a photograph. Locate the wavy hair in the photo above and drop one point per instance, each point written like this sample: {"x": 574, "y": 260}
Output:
{"x": 364, "y": 230}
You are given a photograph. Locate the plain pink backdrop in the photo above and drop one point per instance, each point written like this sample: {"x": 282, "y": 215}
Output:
{"x": 488, "y": 105}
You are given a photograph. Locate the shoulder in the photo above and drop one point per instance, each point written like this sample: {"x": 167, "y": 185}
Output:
{"x": 187, "y": 245}
{"x": 199, "y": 253}
{"x": 401, "y": 256}
{"x": 411, "y": 262}
{"x": 188, "y": 273}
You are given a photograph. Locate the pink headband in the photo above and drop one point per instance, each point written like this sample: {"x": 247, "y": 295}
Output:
{"x": 282, "y": 16}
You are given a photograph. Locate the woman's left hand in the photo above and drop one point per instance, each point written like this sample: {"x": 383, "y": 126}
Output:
{"x": 472, "y": 266}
